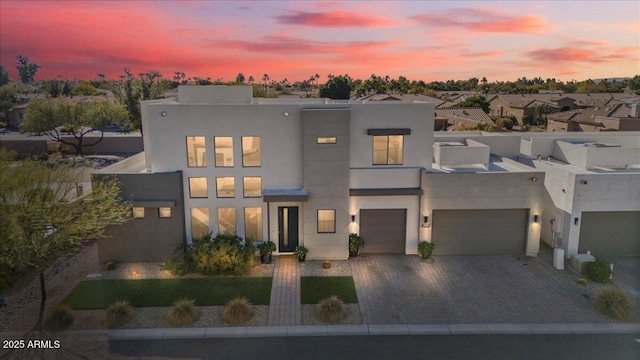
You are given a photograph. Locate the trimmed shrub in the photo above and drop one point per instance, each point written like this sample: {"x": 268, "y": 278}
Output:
{"x": 60, "y": 318}
{"x": 582, "y": 282}
{"x": 505, "y": 123}
{"x": 614, "y": 303}
{"x": 326, "y": 264}
{"x": 599, "y": 271}
{"x": 238, "y": 311}
{"x": 222, "y": 255}
{"x": 331, "y": 310}
{"x": 110, "y": 265}
{"x": 183, "y": 312}
{"x": 118, "y": 314}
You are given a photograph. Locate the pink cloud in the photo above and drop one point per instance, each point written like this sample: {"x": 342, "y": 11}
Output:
{"x": 483, "y": 21}
{"x": 333, "y": 19}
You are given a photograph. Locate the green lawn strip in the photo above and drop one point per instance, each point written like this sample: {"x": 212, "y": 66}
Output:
{"x": 98, "y": 294}
{"x": 315, "y": 288}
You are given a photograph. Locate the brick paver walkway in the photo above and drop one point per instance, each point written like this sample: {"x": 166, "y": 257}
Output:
{"x": 400, "y": 289}
{"x": 285, "y": 292}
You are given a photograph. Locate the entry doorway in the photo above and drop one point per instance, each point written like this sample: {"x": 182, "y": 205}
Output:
{"x": 287, "y": 228}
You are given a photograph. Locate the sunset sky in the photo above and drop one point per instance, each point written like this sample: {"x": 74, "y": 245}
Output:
{"x": 431, "y": 41}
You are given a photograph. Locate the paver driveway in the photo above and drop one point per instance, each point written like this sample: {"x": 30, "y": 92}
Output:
{"x": 400, "y": 289}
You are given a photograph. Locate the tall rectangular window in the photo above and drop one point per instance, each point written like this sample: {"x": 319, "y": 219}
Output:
{"x": 326, "y": 221}
{"x": 198, "y": 187}
{"x": 196, "y": 151}
{"x": 251, "y": 151}
{"x": 227, "y": 221}
{"x": 224, "y": 151}
{"x": 225, "y": 187}
{"x": 253, "y": 223}
{"x": 199, "y": 222}
{"x": 387, "y": 149}
{"x": 252, "y": 186}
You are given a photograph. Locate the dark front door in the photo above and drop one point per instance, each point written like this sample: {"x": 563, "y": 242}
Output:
{"x": 287, "y": 228}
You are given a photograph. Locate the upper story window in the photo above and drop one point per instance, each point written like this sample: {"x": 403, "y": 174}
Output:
{"x": 138, "y": 212}
{"x": 252, "y": 186}
{"x": 196, "y": 151}
{"x": 198, "y": 187}
{"x": 387, "y": 149}
{"x": 224, "y": 151}
{"x": 327, "y": 140}
{"x": 251, "y": 151}
{"x": 225, "y": 187}
{"x": 164, "y": 212}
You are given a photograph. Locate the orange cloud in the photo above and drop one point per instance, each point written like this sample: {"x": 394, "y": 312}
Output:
{"x": 333, "y": 19}
{"x": 571, "y": 54}
{"x": 483, "y": 21}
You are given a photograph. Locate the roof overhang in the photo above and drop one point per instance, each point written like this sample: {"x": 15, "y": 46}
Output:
{"x": 385, "y": 192}
{"x": 284, "y": 195}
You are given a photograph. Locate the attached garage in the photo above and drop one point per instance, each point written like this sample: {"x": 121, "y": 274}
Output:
{"x": 462, "y": 232}
{"x": 383, "y": 230}
{"x": 610, "y": 233}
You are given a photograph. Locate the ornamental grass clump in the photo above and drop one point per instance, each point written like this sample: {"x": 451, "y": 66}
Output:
{"x": 331, "y": 310}
{"x": 60, "y": 318}
{"x": 238, "y": 311}
{"x": 615, "y": 304}
{"x": 183, "y": 312}
{"x": 119, "y": 314}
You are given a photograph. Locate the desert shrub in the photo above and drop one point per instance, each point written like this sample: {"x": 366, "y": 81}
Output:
{"x": 238, "y": 311}
{"x": 118, "y": 314}
{"x": 505, "y": 123}
{"x": 425, "y": 249}
{"x": 60, "y": 318}
{"x": 85, "y": 88}
{"x": 183, "y": 312}
{"x": 599, "y": 271}
{"x": 614, "y": 303}
{"x": 222, "y": 255}
{"x": 110, "y": 265}
{"x": 582, "y": 282}
{"x": 331, "y": 310}
{"x": 326, "y": 264}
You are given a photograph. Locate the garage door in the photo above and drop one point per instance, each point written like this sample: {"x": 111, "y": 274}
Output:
{"x": 458, "y": 232}
{"x": 610, "y": 233}
{"x": 383, "y": 230}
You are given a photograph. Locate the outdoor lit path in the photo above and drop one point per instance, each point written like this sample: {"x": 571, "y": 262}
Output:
{"x": 285, "y": 293}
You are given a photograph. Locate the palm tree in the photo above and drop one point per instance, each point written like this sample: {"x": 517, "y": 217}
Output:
{"x": 265, "y": 78}
{"x": 539, "y": 111}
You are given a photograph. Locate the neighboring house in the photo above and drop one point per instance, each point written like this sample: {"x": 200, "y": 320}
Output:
{"x": 592, "y": 197}
{"x": 16, "y": 115}
{"x": 469, "y": 117}
{"x": 617, "y": 116}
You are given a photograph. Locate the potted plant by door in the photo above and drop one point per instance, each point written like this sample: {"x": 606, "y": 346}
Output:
{"x": 266, "y": 249}
{"x": 301, "y": 253}
{"x": 355, "y": 243}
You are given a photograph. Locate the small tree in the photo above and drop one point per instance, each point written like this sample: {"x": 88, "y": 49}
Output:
{"x": 26, "y": 70}
{"x": 41, "y": 216}
{"x": 476, "y": 101}
{"x": 4, "y": 76}
{"x": 539, "y": 112}
{"x": 130, "y": 91}
{"x": 338, "y": 87}
{"x": 54, "y": 117}
{"x": 240, "y": 78}
{"x": 8, "y": 98}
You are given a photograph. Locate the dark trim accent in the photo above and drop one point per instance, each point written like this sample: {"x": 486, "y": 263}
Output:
{"x": 385, "y": 192}
{"x": 153, "y": 203}
{"x": 283, "y": 198}
{"x": 395, "y": 131}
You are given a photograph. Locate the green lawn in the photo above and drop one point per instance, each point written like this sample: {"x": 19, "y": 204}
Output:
{"x": 315, "y": 288}
{"x": 98, "y": 294}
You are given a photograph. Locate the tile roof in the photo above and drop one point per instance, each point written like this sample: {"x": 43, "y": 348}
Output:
{"x": 464, "y": 115}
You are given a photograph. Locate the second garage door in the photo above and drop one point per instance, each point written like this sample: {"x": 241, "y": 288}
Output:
{"x": 610, "y": 233}
{"x": 459, "y": 232}
{"x": 383, "y": 230}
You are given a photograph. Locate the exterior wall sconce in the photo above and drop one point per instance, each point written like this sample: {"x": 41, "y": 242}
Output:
{"x": 285, "y": 113}
{"x": 163, "y": 114}
{"x": 584, "y": 182}
{"x": 575, "y": 221}
{"x": 426, "y": 219}
{"x": 535, "y": 218}
{"x": 353, "y": 218}
{"x": 534, "y": 179}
